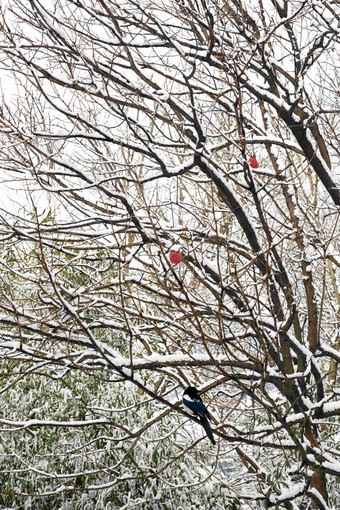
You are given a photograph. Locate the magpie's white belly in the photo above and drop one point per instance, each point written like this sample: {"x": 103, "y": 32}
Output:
{"x": 188, "y": 410}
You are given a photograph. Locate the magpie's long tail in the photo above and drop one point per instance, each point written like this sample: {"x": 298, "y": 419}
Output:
{"x": 207, "y": 428}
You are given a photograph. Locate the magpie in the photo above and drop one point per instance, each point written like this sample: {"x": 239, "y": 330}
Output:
{"x": 194, "y": 406}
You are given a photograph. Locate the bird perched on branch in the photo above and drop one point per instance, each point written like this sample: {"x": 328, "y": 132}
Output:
{"x": 194, "y": 406}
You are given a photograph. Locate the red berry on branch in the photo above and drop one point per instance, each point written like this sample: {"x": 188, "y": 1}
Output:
{"x": 175, "y": 257}
{"x": 253, "y": 162}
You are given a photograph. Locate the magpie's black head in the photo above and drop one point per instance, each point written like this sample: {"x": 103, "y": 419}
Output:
{"x": 192, "y": 392}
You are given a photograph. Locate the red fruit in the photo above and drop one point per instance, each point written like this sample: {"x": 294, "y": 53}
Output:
{"x": 253, "y": 162}
{"x": 175, "y": 257}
